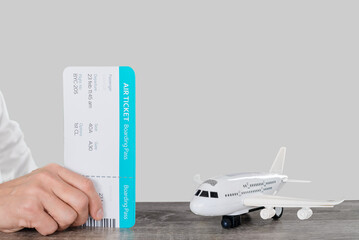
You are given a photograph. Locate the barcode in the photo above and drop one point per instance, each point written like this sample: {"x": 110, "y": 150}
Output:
{"x": 105, "y": 222}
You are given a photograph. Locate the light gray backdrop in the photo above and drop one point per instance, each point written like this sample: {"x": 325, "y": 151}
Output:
{"x": 221, "y": 85}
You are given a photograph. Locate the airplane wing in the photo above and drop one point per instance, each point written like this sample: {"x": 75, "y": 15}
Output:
{"x": 277, "y": 201}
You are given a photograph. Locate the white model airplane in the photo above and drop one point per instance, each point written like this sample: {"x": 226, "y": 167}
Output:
{"x": 232, "y": 195}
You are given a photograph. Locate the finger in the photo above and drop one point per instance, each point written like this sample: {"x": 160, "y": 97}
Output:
{"x": 75, "y": 198}
{"x": 86, "y": 186}
{"x": 62, "y": 213}
{"x": 45, "y": 224}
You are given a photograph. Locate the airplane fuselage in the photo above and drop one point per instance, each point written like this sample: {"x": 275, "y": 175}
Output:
{"x": 224, "y": 195}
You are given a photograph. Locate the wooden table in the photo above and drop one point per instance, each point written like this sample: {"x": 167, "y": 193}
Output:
{"x": 175, "y": 221}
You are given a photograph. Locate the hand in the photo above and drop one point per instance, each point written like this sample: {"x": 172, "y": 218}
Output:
{"x": 48, "y": 199}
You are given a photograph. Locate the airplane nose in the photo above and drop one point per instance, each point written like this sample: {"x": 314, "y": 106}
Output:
{"x": 196, "y": 206}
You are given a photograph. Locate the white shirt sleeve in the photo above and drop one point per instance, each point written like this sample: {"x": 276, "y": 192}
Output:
{"x": 15, "y": 156}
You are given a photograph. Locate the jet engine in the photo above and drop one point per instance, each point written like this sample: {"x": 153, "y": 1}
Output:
{"x": 304, "y": 213}
{"x": 267, "y": 213}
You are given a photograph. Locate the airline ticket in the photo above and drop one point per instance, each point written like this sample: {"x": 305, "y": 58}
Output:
{"x": 99, "y": 137}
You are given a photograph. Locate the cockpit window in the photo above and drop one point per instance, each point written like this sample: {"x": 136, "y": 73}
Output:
{"x": 197, "y": 193}
{"x": 214, "y": 195}
{"x": 204, "y": 194}
{"x": 211, "y": 182}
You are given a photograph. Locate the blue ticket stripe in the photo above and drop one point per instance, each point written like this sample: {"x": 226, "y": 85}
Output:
{"x": 127, "y": 147}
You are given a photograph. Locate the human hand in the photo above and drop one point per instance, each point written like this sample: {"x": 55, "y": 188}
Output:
{"x": 48, "y": 199}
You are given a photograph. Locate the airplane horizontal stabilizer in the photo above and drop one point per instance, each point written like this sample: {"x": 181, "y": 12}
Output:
{"x": 297, "y": 181}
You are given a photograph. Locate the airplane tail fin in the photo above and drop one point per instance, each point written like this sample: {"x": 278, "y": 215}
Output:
{"x": 197, "y": 179}
{"x": 278, "y": 164}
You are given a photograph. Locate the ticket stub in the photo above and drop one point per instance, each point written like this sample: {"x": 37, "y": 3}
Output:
{"x": 99, "y": 137}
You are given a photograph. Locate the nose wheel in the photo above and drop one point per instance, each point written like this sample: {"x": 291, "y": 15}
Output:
{"x": 231, "y": 221}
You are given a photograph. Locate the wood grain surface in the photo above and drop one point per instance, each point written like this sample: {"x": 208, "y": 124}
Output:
{"x": 176, "y": 221}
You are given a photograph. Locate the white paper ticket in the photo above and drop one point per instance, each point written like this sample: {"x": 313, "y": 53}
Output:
{"x": 99, "y": 137}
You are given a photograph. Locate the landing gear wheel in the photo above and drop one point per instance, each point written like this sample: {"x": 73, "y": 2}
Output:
{"x": 278, "y": 213}
{"x": 230, "y": 221}
{"x": 226, "y": 223}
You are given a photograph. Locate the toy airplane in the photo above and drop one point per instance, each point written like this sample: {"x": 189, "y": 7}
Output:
{"x": 232, "y": 195}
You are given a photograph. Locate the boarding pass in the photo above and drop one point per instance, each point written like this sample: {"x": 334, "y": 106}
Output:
{"x": 99, "y": 137}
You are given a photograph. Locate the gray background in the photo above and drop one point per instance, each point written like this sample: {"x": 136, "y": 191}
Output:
{"x": 221, "y": 85}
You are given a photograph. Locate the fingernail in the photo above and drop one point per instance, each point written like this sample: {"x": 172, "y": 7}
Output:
{"x": 100, "y": 213}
